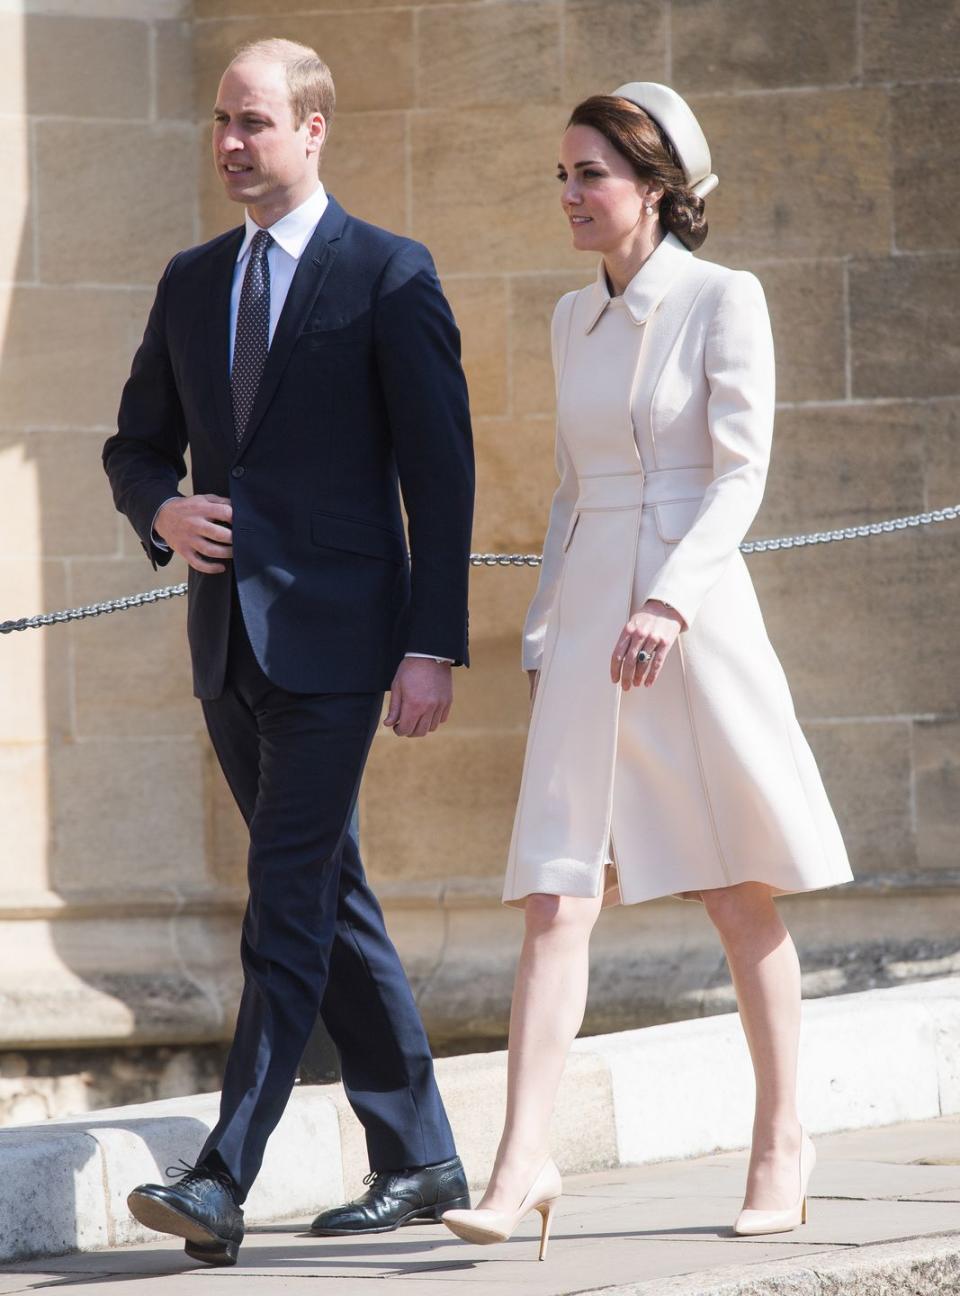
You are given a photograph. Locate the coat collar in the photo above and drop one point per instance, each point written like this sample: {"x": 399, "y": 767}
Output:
{"x": 648, "y": 287}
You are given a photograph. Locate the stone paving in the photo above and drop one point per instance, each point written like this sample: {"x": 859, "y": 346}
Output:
{"x": 655, "y": 1229}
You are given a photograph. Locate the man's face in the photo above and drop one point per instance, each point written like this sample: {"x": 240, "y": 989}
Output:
{"x": 261, "y": 156}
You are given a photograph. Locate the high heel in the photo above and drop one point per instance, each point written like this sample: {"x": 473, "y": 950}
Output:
{"x": 487, "y": 1226}
{"x": 751, "y": 1223}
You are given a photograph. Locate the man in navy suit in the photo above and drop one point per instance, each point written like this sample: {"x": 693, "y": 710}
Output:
{"x": 312, "y": 366}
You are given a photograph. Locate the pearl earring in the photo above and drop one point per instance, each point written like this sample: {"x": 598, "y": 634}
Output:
{"x": 648, "y": 208}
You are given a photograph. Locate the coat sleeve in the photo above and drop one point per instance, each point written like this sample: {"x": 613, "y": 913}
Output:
{"x": 144, "y": 460}
{"x": 561, "y": 512}
{"x": 425, "y": 393}
{"x": 739, "y": 363}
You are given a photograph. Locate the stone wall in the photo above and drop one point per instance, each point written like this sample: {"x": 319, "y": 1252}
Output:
{"x": 831, "y": 129}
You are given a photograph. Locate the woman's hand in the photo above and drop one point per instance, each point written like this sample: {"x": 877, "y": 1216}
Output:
{"x": 653, "y": 630}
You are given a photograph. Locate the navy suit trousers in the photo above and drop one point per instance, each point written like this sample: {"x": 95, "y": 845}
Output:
{"x": 313, "y": 935}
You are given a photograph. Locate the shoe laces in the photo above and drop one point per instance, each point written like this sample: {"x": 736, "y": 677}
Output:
{"x": 191, "y": 1174}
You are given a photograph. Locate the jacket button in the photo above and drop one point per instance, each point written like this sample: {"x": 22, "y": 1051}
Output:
{"x": 238, "y": 471}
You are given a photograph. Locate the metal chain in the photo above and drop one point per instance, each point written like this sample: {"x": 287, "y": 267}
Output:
{"x": 948, "y": 514}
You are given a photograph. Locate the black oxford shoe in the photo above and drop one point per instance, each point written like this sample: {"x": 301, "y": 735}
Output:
{"x": 201, "y": 1208}
{"x": 396, "y": 1197}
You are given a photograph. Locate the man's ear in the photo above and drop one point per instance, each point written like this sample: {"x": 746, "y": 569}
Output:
{"x": 316, "y": 132}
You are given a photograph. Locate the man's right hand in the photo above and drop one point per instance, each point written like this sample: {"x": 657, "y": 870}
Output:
{"x": 198, "y": 529}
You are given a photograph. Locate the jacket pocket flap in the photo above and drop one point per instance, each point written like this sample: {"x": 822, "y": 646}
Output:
{"x": 335, "y": 532}
{"x": 675, "y": 519}
{"x": 571, "y": 527}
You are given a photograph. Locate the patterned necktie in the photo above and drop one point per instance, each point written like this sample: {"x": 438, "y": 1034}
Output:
{"x": 253, "y": 333}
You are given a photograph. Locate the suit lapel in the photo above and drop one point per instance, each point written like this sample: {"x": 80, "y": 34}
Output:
{"x": 217, "y": 307}
{"x": 308, "y": 279}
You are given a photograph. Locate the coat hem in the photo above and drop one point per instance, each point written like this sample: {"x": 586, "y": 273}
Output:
{"x": 692, "y": 893}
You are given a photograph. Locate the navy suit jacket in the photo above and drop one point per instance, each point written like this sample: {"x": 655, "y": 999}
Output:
{"x": 362, "y": 398}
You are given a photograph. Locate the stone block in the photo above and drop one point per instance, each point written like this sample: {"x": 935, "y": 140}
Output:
{"x": 494, "y": 693}
{"x": 533, "y": 299}
{"x": 63, "y": 66}
{"x": 842, "y": 466}
{"x": 34, "y": 681}
{"x": 462, "y": 209}
{"x": 490, "y": 54}
{"x": 51, "y": 1193}
{"x": 132, "y": 676}
{"x": 943, "y": 453}
{"x": 480, "y": 309}
{"x": 376, "y": 193}
{"x": 24, "y": 810}
{"x": 753, "y": 45}
{"x": 499, "y": 597}
{"x": 904, "y": 331}
{"x": 867, "y": 1059}
{"x": 866, "y": 599}
{"x": 866, "y": 769}
{"x": 440, "y": 808}
{"x": 936, "y": 771}
{"x": 516, "y": 478}
{"x": 173, "y": 64}
{"x": 145, "y": 171}
{"x": 127, "y": 813}
{"x": 90, "y": 363}
{"x": 207, "y": 9}
{"x": 839, "y": 197}
{"x": 66, "y": 510}
{"x": 608, "y": 42}
{"x": 806, "y": 303}
{"x": 371, "y": 55}
{"x": 909, "y": 42}
{"x": 927, "y": 184}
{"x": 17, "y": 217}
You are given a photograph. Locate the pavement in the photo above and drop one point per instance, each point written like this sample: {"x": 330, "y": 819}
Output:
{"x": 884, "y": 1218}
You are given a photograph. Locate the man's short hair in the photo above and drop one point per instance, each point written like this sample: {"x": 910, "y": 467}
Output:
{"x": 308, "y": 77}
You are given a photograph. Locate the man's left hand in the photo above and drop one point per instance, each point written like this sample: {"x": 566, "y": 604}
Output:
{"x": 421, "y": 696}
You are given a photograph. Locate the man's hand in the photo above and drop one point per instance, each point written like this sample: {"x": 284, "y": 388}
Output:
{"x": 421, "y": 696}
{"x": 198, "y": 529}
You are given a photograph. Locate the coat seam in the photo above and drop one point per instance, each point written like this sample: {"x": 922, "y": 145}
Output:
{"x": 700, "y": 766}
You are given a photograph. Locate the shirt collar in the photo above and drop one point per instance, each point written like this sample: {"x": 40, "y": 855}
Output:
{"x": 648, "y": 287}
{"x": 291, "y": 232}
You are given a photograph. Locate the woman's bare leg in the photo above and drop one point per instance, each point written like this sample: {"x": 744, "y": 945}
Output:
{"x": 766, "y": 976}
{"x": 549, "y": 997}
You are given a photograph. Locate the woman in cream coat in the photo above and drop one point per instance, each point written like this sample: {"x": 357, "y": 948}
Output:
{"x": 664, "y": 754}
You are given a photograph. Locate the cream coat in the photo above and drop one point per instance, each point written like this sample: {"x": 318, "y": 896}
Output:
{"x": 665, "y": 403}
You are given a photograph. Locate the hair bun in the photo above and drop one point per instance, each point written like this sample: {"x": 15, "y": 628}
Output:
{"x": 681, "y": 212}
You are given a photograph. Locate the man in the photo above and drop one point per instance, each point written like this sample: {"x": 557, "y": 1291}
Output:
{"x": 311, "y": 364}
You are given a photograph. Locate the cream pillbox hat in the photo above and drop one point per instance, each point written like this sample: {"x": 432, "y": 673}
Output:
{"x": 675, "y": 118}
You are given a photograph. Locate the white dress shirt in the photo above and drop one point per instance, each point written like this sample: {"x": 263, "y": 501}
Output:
{"x": 290, "y": 235}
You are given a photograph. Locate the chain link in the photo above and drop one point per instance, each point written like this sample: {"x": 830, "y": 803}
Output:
{"x": 948, "y": 514}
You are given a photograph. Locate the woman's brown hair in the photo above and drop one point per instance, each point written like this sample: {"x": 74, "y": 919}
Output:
{"x": 638, "y": 138}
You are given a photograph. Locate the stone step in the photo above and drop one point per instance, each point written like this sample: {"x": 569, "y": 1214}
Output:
{"x": 683, "y": 1089}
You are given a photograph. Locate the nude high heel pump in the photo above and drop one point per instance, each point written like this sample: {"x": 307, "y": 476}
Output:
{"x": 751, "y": 1223}
{"x": 487, "y": 1226}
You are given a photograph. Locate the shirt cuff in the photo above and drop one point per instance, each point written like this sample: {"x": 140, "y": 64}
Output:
{"x": 155, "y": 539}
{"x": 444, "y": 661}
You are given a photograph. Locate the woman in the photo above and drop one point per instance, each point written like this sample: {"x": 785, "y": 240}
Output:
{"x": 664, "y": 755}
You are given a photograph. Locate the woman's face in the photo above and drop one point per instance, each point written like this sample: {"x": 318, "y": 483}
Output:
{"x": 601, "y": 196}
